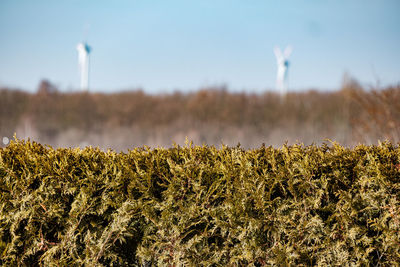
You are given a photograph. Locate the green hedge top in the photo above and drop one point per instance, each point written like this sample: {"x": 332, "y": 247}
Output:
{"x": 200, "y": 206}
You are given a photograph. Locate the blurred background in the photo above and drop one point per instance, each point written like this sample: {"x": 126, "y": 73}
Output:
{"x": 165, "y": 71}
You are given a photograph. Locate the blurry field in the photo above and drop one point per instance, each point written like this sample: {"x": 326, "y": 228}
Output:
{"x": 211, "y": 116}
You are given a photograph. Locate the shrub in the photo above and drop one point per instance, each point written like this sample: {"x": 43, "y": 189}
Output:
{"x": 200, "y": 206}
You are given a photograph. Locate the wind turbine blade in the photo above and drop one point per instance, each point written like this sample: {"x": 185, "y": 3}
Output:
{"x": 277, "y": 52}
{"x": 288, "y": 51}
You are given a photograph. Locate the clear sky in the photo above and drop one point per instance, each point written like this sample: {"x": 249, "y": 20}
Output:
{"x": 163, "y": 45}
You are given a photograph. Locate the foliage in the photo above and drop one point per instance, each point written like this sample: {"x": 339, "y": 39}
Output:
{"x": 380, "y": 116}
{"x": 13, "y": 105}
{"x": 200, "y": 206}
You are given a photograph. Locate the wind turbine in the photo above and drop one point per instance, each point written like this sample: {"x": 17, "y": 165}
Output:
{"x": 282, "y": 60}
{"x": 83, "y": 61}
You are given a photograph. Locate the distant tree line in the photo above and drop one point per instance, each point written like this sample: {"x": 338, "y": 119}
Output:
{"x": 211, "y": 115}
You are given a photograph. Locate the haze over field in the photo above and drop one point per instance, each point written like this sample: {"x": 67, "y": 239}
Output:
{"x": 212, "y": 116}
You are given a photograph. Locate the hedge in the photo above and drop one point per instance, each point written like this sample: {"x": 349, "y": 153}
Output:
{"x": 200, "y": 206}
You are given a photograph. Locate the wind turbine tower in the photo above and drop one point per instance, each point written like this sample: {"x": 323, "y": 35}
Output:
{"x": 83, "y": 61}
{"x": 282, "y": 60}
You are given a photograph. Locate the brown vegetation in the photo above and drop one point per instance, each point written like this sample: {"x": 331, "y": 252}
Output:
{"x": 213, "y": 116}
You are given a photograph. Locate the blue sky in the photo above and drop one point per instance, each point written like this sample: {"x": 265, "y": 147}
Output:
{"x": 164, "y": 45}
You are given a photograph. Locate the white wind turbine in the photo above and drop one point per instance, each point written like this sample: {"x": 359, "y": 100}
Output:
{"x": 83, "y": 61}
{"x": 282, "y": 60}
